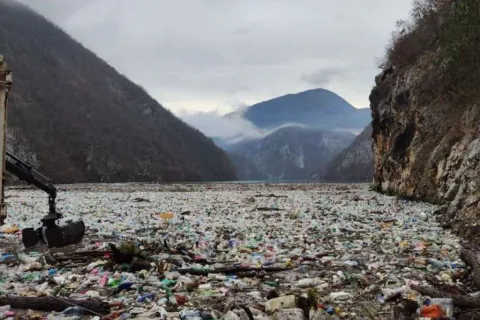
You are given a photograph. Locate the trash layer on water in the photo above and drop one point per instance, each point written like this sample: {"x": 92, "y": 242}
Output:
{"x": 207, "y": 251}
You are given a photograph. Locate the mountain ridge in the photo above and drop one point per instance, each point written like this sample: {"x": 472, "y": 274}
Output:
{"x": 291, "y": 152}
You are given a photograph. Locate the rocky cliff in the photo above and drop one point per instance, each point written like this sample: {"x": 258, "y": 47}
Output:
{"x": 354, "y": 164}
{"x": 426, "y": 112}
{"x": 77, "y": 119}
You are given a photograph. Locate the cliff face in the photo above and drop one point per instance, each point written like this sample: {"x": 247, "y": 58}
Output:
{"x": 425, "y": 151}
{"x": 426, "y": 129}
{"x": 355, "y": 163}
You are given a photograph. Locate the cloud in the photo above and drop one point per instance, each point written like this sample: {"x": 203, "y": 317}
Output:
{"x": 198, "y": 54}
{"x": 230, "y": 128}
{"x": 323, "y": 77}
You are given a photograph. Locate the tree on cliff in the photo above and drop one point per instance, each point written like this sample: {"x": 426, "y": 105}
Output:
{"x": 448, "y": 31}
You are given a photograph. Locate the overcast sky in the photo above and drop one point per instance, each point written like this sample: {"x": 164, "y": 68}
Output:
{"x": 213, "y": 55}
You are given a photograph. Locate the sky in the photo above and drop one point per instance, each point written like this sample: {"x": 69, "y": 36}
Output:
{"x": 214, "y": 56}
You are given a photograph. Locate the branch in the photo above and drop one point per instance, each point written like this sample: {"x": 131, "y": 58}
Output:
{"x": 202, "y": 272}
{"x": 91, "y": 306}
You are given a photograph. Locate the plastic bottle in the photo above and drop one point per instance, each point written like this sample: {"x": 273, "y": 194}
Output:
{"x": 190, "y": 315}
{"x": 340, "y": 296}
{"x": 150, "y": 296}
{"x": 217, "y": 277}
{"x": 124, "y": 285}
{"x": 389, "y": 293}
{"x": 272, "y": 283}
{"x": 104, "y": 280}
{"x": 436, "y": 263}
{"x": 114, "y": 282}
{"x": 308, "y": 282}
{"x": 73, "y": 311}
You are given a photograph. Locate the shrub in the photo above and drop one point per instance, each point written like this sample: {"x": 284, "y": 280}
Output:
{"x": 415, "y": 36}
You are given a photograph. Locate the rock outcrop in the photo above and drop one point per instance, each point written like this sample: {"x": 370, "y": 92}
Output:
{"x": 426, "y": 121}
{"x": 354, "y": 164}
{"x": 428, "y": 151}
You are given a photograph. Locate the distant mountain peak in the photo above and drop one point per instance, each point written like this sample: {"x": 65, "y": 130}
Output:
{"x": 320, "y": 108}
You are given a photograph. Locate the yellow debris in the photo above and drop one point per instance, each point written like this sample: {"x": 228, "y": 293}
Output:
{"x": 165, "y": 215}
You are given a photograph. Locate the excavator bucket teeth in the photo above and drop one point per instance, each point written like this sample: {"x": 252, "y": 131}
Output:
{"x": 65, "y": 235}
{"x": 30, "y": 237}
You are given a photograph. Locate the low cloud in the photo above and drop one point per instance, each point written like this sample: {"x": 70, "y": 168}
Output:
{"x": 230, "y": 128}
{"x": 323, "y": 77}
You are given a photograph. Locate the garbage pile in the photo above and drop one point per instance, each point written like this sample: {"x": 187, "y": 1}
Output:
{"x": 235, "y": 251}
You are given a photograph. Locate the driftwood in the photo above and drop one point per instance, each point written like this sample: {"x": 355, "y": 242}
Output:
{"x": 268, "y": 209}
{"x": 70, "y": 258}
{"x": 461, "y": 301}
{"x": 235, "y": 270}
{"x": 10, "y": 261}
{"x": 269, "y": 196}
{"x": 90, "y": 306}
{"x": 247, "y": 311}
{"x": 472, "y": 258}
{"x": 92, "y": 253}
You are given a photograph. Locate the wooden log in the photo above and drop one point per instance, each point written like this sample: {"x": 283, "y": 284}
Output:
{"x": 247, "y": 311}
{"x": 268, "y": 209}
{"x": 203, "y": 272}
{"x": 70, "y": 258}
{"x": 49, "y": 304}
{"x": 92, "y": 253}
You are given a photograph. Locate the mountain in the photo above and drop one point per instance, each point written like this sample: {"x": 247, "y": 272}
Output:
{"x": 354, "y": 164}
{"x": 291, "y": 152}
{"x": 77, "y": 119}
{"x": 300, "y": 134}
{"x": 317, "y": 108}
{"x": 245, "y": 169}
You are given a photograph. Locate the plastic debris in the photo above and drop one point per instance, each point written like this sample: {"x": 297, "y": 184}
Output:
{"x": 207, "y": 251}
{"x": 285, "y": 302}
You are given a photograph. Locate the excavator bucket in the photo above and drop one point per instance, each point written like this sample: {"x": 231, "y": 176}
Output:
{"x": 70, "y": 233}
{"x": 54, "y": 233}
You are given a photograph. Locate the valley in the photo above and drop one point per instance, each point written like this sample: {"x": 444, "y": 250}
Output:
{"x": 297, "y": 137}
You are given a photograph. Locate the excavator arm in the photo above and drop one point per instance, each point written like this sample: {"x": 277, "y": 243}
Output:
{"x": 25, "y": 172}
{"x": 54, "y": 231}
